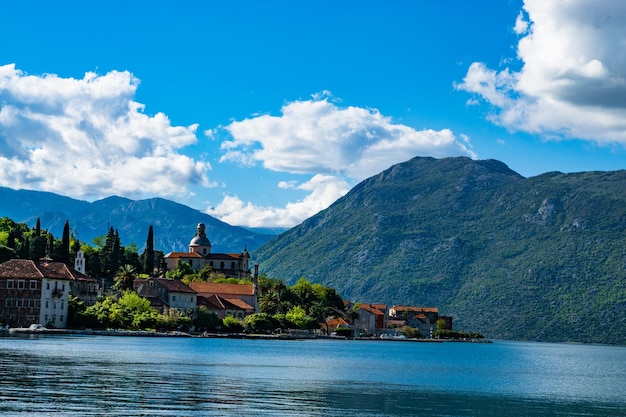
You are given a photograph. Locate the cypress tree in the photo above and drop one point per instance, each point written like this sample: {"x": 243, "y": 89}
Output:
{"x": 50, "y": 250}
{"x": 148, "y": 256}
{"x": 38, "y": 228}
{"x": 65, "y": 244}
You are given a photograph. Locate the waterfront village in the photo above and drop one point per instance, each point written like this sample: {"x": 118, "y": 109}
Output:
{"x": 35, "y": 296}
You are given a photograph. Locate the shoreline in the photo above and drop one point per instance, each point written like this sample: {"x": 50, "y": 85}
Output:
{"x": 251, "y": 336}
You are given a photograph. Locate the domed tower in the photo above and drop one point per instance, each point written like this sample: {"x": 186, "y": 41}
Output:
{"x": 200, "y": 244}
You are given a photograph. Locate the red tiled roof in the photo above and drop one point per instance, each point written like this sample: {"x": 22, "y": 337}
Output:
{"x": 240, "y": 304}
{"x": 24, "y": 268}
{"x": 372, "y": 309}
{"x": 338, "y": 322}
{"x": 223, "y": 256}
{"x": 173, "y": 285}
{"x": 215, "y": 302}
{"x": 229, "y": 289}
{"x": 178, "y": 255}
{"x": 416, "y": 309}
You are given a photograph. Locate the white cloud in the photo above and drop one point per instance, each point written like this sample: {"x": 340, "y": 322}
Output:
{"x": 316, "y": 137}
{"x": 89, "y": 138}
{"x": 573, "y": 80}
{"x": 324, "y": 190}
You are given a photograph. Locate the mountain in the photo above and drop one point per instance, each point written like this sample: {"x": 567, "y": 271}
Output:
{"x": 540, "y": 258}
{"x": 174, "y": 224}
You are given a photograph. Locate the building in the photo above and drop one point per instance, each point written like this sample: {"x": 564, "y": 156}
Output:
{"x": 422, "y": 318}
{"x": 241, "y": 299}
{"x": 169, "y": 293}
{"x": 371, "y": 318}
{"x": 235, "y": 265}
{"x": 37, "y": 292}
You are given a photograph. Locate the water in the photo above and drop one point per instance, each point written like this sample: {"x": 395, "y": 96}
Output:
{"x": 133, "y": 376}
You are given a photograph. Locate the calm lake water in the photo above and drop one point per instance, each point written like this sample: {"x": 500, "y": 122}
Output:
{"x": 134, "y": 376}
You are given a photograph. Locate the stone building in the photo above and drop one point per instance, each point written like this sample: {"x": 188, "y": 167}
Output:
{"x": 236, "y": 265}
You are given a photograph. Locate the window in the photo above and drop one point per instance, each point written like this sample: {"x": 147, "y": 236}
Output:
{"x": 232, "y": 265}
{"x": 191, "y": 262}
{"x": 46, "y": 303}
{"x": 33, "y": 285}
{"x": 221, "y": 265}
{"x": 20, "y": 285}
{"x": 31, "y": 303}
{"x": 19, "y": 302}
{"x": 48, "y": 285}
{"x": 173, "y": 298}
{"x": 8, "y": 302}
{"x": 10, "y": 283}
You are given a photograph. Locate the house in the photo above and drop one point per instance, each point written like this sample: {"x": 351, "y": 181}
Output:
{"x": 422, "y": 318}
{"x": 169, "y": 293}
{"x": 235, "y": 265}
{"x": 37, "y": 292}
{"x": 242, "y": 296}
{"x": 330, "y": 325}
{"x": 372, "y": 318}
{"x": 223, "y": 307}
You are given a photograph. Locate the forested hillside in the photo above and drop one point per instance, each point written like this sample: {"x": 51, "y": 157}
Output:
{"x": 541, "y": 258}
{"x": 174, "y": 224}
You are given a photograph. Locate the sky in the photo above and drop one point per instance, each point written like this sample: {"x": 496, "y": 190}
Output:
{"x": 261, "y": 114}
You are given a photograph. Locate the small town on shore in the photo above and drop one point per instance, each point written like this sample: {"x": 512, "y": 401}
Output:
{"x": 195, "y": 293}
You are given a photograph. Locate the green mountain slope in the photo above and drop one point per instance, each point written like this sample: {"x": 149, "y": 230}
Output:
{"x": 540, "y": 258}
{"x": 174, "y": 224}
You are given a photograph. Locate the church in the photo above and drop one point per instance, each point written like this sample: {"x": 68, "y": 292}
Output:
{"x": 236, "y": 265}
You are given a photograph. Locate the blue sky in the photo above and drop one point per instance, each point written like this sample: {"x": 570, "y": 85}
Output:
{"x": 264, "y": 113}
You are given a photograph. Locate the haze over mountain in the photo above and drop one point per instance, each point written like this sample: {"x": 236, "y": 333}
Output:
{"x": 174, "y": 224}
{"x": 540, "y": 258}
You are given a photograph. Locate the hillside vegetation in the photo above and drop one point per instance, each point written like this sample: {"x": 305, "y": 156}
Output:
{"x": 174, "y": 224}
{"x": 541, "y": 258}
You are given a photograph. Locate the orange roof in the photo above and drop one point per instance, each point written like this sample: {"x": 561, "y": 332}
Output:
{"x": 173, "y": 285}
{"x": 178, "y": 255}
{"x": 372, "y": 309}
{"x": 416, "y": 309}
{"x": 220, "y": 303}
{"x": 24, "y": 268}
{"x": 229, "y": 289}
{"x": 242, "y": 305}
{"x": 338, "y": 322}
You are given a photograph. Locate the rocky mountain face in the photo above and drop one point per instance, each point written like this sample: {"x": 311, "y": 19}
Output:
{"x": 174, "y": 224}
{"x": 541, "y": 258}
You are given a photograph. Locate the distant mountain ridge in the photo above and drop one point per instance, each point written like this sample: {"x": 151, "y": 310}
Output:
{"x": 540, "y": 258}
{"x": 174, "y": 224}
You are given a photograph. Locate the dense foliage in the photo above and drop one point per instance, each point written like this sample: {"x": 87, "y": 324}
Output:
{"x": 539, "y": 258}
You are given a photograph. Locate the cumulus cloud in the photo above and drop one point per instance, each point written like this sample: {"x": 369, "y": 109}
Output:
{"x": 337, "y": 146}
{"x": 317, "y": 137}
{"x": 89, "y": 138}
{"x": 323, "y": 191}
{"x": 572, "y": 82}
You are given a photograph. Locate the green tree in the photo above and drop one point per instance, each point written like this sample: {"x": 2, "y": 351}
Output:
{"x": 259, "y": 322}
{"x": 298, "y": 319}
{"x": 231, "y": 325}
{"x": 7, "y": 253}
{"x": 148, "y": 254}
{"x": 204, "y": 320}
{"x": 124, "y": 278}
{"x": 64, "y": 251}
{"x": 38, "y": 247}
